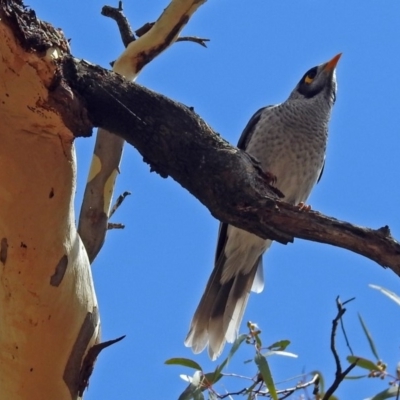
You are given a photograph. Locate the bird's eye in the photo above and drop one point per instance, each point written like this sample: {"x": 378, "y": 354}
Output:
{"x": 310, "y": 75}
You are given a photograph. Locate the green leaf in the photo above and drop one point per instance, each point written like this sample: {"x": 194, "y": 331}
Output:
{"x": 279, "y": 346}
{"x": 363, "y": 363}
{"x": 198, "y": 395}
{"x": 186, "y": 362}
{"x": 388, "y": 293}
{"x": 212, "y": 395}
{"x": 250, "y": 389}
{"x": 369, "y": 337}
{"x": 258, "y": 341}
{"x": 263, "y": 366}
{"x": 280, "y": 353}
{"x": 393, "y": 391}
{"x": 192, "y": 392}
{"x": 350, "y": 377}
{"x": 211, "y": 378}
{"x": 236, "y": 344}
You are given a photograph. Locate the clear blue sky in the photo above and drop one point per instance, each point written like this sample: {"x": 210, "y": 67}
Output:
{"x": 150, "y": 276}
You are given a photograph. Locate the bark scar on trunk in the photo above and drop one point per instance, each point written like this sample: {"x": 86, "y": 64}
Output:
{"x": 3, "y": 250}
{"x": 71, "y": 374}
{"x": 59, "y": 273}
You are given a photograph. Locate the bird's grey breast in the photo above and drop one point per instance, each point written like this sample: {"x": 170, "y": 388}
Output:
{"x": 289, "y": 142}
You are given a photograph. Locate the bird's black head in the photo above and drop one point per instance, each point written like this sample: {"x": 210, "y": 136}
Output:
{"x": 318, "y": 81}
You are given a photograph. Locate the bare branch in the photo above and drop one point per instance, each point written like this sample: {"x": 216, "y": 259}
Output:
{"x": 148, "y": 25}
{"x": 159, "y": 37}
{"x": 118, "y": 203}
{"x": 195, "y": 39}
{"x": 177, "y": 143}
{"x": 118, "y": 16}
{"x": 338, "y": 381}
{"x": 115, "y": 225}
{"x": 156, "y": 37}
{"x": 335, "y": 323}
{"x": 144, "y": 29}
{"x": 284, "y": 392}
{"x": 339, "y": 375}
{"x": 89, "y": 361}
{"x": 343, "y": 330}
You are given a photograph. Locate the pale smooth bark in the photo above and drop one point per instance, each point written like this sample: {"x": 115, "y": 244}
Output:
{"x": 108, "y": 150}
{"x": 48, "y": 307}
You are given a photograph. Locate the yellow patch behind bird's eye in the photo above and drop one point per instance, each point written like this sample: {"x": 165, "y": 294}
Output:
{"x": 308, "y": 79}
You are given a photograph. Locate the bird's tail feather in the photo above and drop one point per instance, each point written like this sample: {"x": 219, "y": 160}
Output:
{"x": 220, "y": 311}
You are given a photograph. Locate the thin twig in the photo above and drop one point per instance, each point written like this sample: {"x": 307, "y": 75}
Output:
{"x": 89, "y": 361}
{"x": 344, "y": 331}
{"x": 339, "y": 375}
{"x": 290, "y": 391}
{"x": 238, "y": 376}
{"x": 285, "y": 392}
{"x": 195, "y": 39}
{"x": 144, "y": 29}
{"x": 118, "y": 16}
{"x": 148, "y": 25}
{"x": 335, "y": 322}
{"x": 223, "y": 396}
{"x": 338, "y": 381}
{"x": 115, "y": 225}
{"x": 118, "y": 203}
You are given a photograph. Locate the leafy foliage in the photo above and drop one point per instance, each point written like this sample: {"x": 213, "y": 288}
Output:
{"x": 263, "y": 384}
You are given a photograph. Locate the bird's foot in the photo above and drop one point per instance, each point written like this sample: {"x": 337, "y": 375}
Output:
{"x": 304, "y": 207}
{"x": 271, "y": 179}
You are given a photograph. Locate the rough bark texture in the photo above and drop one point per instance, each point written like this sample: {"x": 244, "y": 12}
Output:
{"x": 177, "y": 143}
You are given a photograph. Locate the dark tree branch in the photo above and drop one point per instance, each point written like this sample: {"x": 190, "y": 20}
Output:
{"x": 195, "y": 39}
{"x": 339, "y": 375}
{"x": 118, "y": 203}
{"x": 178, "y": 143}
{"x": 338, "y": 380}
{"x": 89, "y": 361}
{"x": 335, "y": 323}
{"x": 144, "y": 29}
{"x": 118, "y": 16}
{"x": 115, "y": 225}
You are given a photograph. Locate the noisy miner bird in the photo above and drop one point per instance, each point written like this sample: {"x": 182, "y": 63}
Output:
{"x": 289, "y": 141}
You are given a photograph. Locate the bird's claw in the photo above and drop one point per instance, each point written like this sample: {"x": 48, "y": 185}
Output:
{"x": 271, "y": 181}
{"x": 269, "y": 177}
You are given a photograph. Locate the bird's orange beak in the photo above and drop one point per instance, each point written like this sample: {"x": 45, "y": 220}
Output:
{"x": 331, "y": 65}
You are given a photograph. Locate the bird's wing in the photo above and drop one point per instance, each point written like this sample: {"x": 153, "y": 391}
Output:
{"x": 249, "y": 129}
{"x": 222, "y": 305}
{"x": 322, "y": 171}
{"x": 222, "y": 233}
